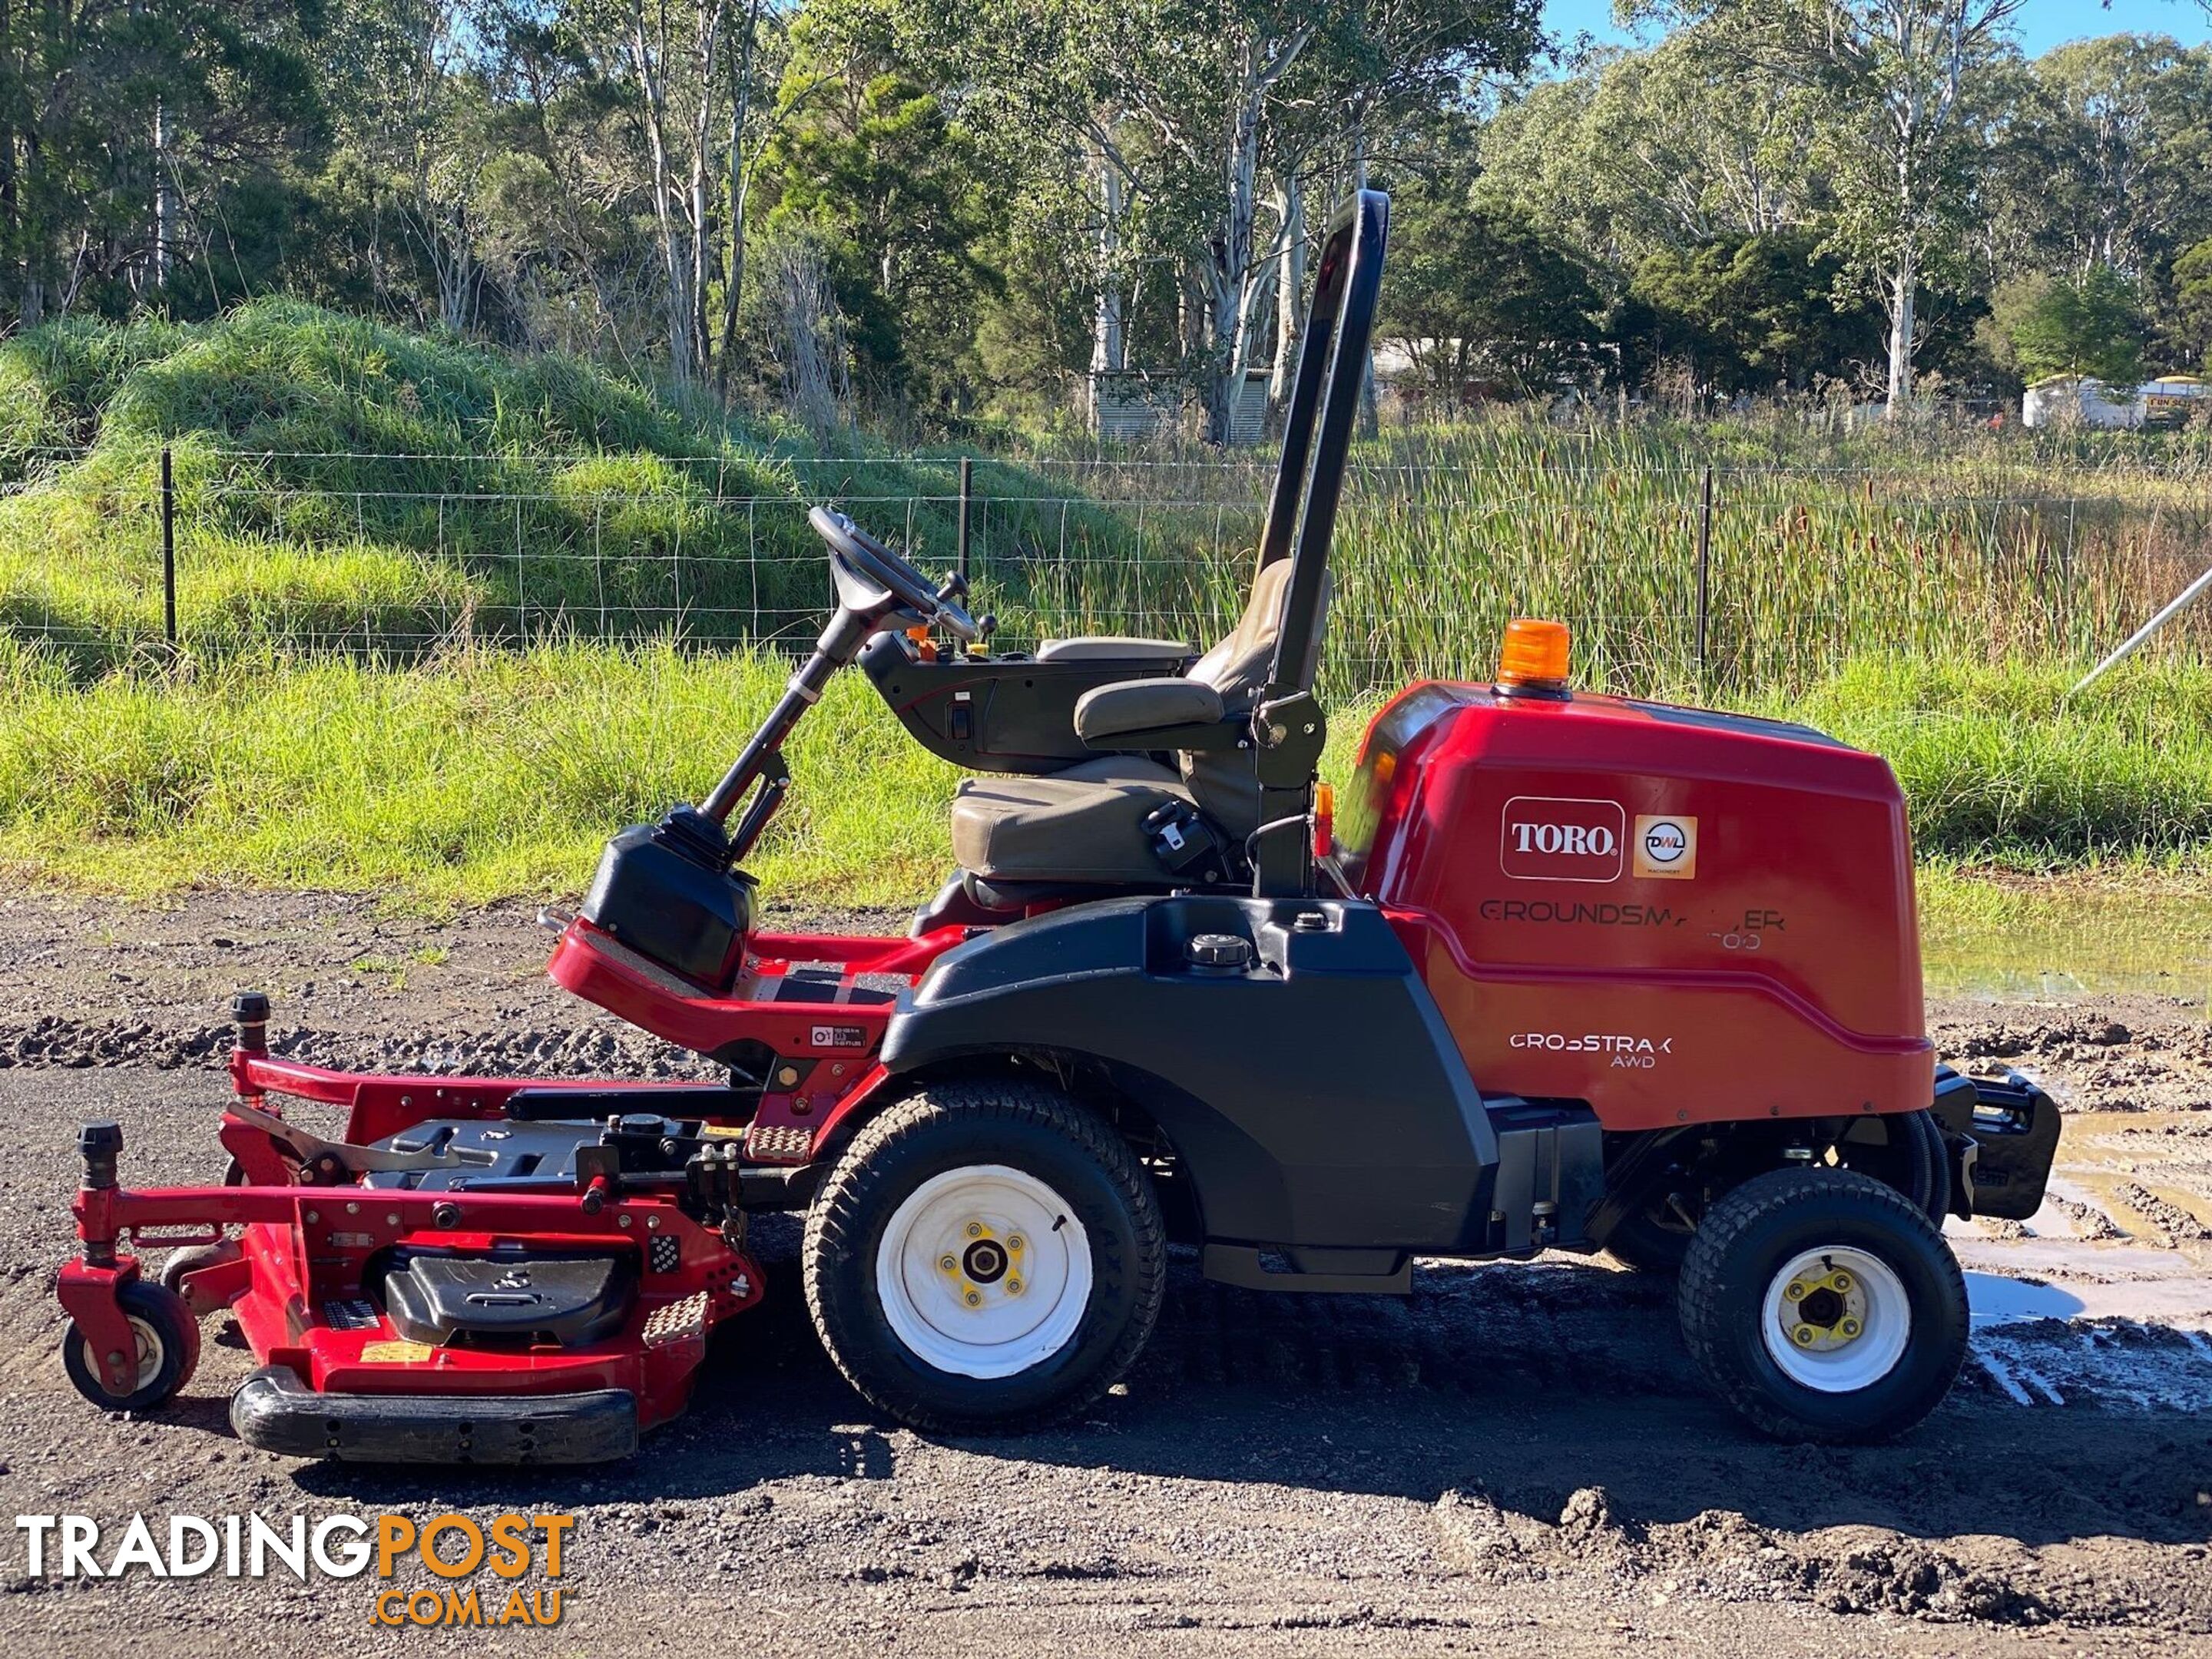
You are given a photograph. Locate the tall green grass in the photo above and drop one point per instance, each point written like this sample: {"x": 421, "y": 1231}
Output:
{"x": 490, "y": 772}
{"x": 347, "y": 486}
{"x": 486, "y": 773}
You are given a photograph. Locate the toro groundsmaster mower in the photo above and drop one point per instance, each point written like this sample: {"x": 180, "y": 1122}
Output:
{"x": 1569, "y": 972}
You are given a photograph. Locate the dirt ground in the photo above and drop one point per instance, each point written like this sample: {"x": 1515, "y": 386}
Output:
{"x": 1516, "y": 1458}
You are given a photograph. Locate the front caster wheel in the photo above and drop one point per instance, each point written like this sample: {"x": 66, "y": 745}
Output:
{"x": 1822, "y": 1305}
{"x": 984, "y": 1255}
{"x": 168, "y": 1342}
{"x": 192, "y": 1258}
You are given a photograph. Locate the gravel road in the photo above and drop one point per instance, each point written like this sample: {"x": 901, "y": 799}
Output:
{"x": 1515, "y": 1459}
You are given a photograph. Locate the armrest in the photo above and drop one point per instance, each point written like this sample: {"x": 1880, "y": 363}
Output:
{"x": 1099, "y": 647}
{"x": 1128, "y": 707}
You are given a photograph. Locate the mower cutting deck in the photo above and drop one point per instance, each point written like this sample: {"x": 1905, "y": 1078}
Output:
{"x": 1575, "y": 972}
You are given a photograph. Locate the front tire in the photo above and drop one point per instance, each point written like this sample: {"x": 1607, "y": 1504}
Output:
{"x": 1822, "y": 1305}
{"x": 984, "y": 1256}
{"x": 169, "y": 1343}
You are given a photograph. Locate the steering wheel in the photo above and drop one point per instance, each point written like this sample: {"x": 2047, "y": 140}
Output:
{"x": 938, "y": 605}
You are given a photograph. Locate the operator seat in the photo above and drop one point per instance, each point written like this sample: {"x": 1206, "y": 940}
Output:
{"x": 1085, "y": 826}
{"x": 1179, "y": 789}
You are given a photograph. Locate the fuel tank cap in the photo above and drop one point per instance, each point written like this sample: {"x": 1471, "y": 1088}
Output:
{"x": 1218, "y": 953}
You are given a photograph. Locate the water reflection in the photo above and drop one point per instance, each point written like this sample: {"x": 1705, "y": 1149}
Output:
{"x": 2059, "y": 942}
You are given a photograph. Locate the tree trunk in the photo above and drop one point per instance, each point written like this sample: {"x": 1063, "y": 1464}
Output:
{"x": 1109, "y": 342}
{"x": 37, "y": 255}
{"x": 165, "y": 202}
{"x": 1903, "y": 294}
{"x": 741, "y": 104}
{"x": 703, "y": 261}
{"x": 1290, "y": 293}
{"x": 675, "y": 257}
{"x": 1228, "y": 275}
{"x": 1371, "y": 418}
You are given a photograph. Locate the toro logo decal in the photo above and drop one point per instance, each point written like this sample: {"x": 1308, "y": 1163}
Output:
{"x": 1556, "y": 838}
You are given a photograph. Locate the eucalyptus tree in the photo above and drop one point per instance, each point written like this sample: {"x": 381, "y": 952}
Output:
{"x": 1637, "y": 152}
{"x": 1900, "y": 134}
{"x": 1193, "y": 126}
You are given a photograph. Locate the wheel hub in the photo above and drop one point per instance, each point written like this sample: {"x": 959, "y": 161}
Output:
{"x": 984, "y": 1271}
{"x": 1836, "y": 1319}
{"x": 124, "y": 1374}
{"x": 986, "y": 1261}
{"x": 1824, "y": 1311}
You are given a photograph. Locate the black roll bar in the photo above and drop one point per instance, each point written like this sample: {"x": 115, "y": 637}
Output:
{"x": 1317, "y": 433}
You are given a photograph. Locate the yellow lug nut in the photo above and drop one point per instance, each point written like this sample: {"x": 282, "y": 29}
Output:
{"x": 1802, "y": 1336}
{"x": 1013, "y": 1241}
{"x": 1850, "y": 1327}
{"x": 1013, "y": 1287}
{"x": 1795, "y": 1292}
{"x": 974, "y": 1230}
{"x": 973, "y": 1298}
{"x": 950, "y": 1264}
{"x": 1842, "y": 1281}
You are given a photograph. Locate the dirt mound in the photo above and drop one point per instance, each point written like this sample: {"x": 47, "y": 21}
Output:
{"x": 2117, "y": 1054}
{"x": 1718, "y": 1555}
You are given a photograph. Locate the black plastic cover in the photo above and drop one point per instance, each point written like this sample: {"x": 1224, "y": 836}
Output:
{"x": 1551, "y": 1175}
{"x": 1312, "y": 1096}
{"x": 2014, "y": 1126}
{"x": 656, "y": 894}
{"x": 572, "y": 1301}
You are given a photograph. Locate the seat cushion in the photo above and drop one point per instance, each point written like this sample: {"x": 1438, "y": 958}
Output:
{"x": 1083, "y": 824}
{"x": 1101, "y": 647}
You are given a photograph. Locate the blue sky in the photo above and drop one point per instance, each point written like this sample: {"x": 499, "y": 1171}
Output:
{"x": 2043, "y": 23}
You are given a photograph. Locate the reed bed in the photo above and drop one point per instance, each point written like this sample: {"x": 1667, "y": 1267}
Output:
{"x": 343, "y": 487}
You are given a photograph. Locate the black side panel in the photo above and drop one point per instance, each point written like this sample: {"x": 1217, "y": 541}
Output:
{"x": 1551, "y": 1175}
{"x": 1313, "y": 1092}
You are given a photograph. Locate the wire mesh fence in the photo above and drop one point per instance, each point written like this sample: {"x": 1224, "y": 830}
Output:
{"x": 399, "y": 556}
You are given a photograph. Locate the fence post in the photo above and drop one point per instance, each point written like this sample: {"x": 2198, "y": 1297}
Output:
{"x": 967, "y": 502}
{"x": 1705, "y": 571}
{"x": 169, "y": 550}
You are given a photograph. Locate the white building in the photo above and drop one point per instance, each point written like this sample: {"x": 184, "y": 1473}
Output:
{"x": 2088, "y": 401}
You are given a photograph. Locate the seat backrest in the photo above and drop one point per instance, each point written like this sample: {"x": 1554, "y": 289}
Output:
{"x": 1223, "y": 780}
{"x": 1237, "y": 666}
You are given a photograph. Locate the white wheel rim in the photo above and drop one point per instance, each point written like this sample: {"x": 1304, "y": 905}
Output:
{"x": 150, "y": 1355}
{"x": 1836, "y": 1319}
{"x": 1020, "y": 1278}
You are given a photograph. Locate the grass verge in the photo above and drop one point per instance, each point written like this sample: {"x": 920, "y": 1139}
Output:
{"x": 490, "y": 773}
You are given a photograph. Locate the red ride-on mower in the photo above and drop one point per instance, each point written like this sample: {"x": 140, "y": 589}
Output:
{"x": 1572, "y": 972}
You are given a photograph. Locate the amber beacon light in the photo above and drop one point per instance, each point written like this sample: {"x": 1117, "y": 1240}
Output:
{"x": 1534, "y": 657}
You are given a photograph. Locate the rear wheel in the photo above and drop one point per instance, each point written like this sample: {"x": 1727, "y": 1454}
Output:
{"x": 167, "y": 1340}
{"x": 1903, "y": 1149}
{"x": 984, "y": 1256}
{"x": 1823, "y": 1305}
